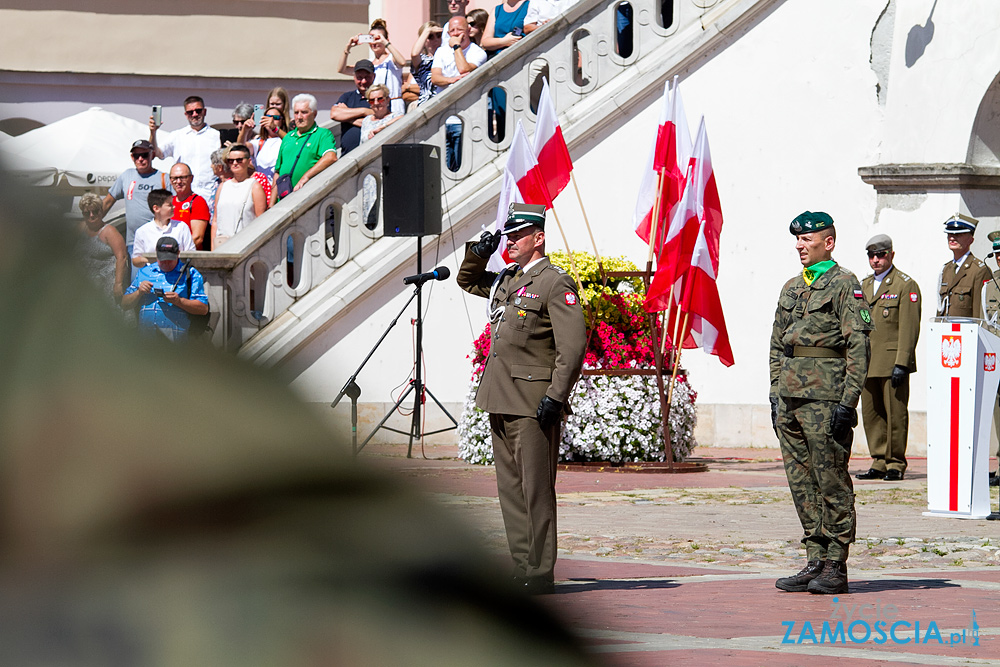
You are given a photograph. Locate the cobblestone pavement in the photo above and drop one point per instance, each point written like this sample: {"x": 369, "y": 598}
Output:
{"x": 679, "y": 569}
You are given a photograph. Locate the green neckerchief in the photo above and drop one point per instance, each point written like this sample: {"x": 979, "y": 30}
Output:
{"x": 811, "y": 273}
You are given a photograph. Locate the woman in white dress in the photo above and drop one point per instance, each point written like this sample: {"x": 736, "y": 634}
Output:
{"x": 239, "y": 200}
{"x": 388, "y": 62}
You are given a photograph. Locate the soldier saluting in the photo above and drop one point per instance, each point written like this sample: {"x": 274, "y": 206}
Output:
{"x": 960, "y": 286}
{"x": 538, "y": 337}
{"x": 818, "y": 363}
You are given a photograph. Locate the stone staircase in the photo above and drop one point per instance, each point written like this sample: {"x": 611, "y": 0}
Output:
{"x": 341, "y": 266}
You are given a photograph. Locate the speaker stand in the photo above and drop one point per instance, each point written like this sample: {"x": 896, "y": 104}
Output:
{"x": 417, "y": 386}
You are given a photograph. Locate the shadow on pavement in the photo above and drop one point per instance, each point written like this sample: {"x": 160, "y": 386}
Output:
{"x": 900, "y": 585}
{"x": 583, "y": 585}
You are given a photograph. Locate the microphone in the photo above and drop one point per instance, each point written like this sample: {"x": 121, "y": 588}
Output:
{"x": 440, "y": 273}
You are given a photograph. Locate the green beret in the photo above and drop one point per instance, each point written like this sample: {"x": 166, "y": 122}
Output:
{"x": 810, "y": 222}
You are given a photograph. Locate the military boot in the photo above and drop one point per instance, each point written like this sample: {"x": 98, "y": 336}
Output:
{"x": 799, "y": 583}
{"x": 833, "y": 578}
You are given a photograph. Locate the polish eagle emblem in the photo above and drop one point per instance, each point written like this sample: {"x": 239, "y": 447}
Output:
{"x": 951, "y": 351}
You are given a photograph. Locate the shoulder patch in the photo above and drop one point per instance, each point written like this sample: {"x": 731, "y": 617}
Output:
{"x": 570, "y": 298}
{"x": 858, "y": 294}
{"x": 866, "y": 316}
{"x": 914, "y": 296}
{"x": 558, "y": 268}
{"x": 904, "y": 276}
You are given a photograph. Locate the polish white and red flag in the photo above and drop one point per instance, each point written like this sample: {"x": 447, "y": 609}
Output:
{"x": 551, "y": 152}
{"x": 669, "y": 156}
{"x": 522, "y": 184}
{"x": 689, "y": 261}
{"x": 674, "y": 256}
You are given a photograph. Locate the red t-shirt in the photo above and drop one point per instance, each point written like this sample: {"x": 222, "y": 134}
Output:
{"x": 193, "y": 208}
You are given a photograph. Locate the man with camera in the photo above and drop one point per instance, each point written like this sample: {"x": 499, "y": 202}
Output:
{"x": 192, "y": 145}
{"x": 894, "y": 300}
{"x": 538, "y": 337}
{"x": 165, "y": 294}
{"x": 818, "y": 363}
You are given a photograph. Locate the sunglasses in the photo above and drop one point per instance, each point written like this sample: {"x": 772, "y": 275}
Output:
{"x": 878, "y": 253}
{"x": 181, "y": 178}
{"x": 194, "y": 112}
{"x": 274, "y": 117}
{"x": 235, "y": 160}
{"x": 377, "y": 99}
{"x": 140, "y": 156}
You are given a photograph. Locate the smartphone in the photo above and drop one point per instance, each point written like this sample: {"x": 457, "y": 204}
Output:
{"x": 158, "y": 292}
{"x": 258, "y": 113}
{"x": 365, "y": 39}
{"x": 157, "y": 115}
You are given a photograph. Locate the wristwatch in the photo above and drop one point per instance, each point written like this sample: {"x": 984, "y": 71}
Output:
{"x": 456, "y": 47}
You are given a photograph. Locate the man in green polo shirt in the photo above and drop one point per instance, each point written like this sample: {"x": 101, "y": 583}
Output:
{"x": 305, "y": 152}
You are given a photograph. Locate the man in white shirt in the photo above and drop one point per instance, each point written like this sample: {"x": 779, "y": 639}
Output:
{"x": 457, "y": 58}
{"x": 162, "y": 206}
{"x": 541, "y": 12}
{"x": 192, "y": 145}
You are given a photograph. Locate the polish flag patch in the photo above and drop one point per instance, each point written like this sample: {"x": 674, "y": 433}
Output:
{"x": 858, "y": 294}
{"x": 913, "y": 297}
{"x": 570, "y": 299}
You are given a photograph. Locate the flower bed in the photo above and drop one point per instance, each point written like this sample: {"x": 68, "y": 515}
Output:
{"x": 616, "y": 417}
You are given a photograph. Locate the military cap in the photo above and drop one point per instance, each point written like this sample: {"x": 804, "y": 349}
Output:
{"x": 960, "y": 224}
{"x": 994, "y": 238}
{"x": 524, "y": 215}
{"x": 810, "y": 222}
{"x": 879, "y": 242}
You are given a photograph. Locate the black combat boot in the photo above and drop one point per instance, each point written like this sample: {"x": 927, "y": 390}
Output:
{"x": 833, "y": 578}
{"x": 799, "y": 583}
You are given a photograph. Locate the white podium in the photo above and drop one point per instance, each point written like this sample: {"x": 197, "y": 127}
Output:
{"x": 962, "y": 378}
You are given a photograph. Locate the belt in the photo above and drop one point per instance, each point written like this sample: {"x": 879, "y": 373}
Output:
{"x": 816, "y": 352}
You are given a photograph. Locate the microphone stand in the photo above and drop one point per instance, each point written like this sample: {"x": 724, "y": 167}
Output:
{"x": 353, "y": 391}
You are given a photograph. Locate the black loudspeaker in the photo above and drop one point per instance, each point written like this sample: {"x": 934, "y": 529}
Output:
{"x": 411, "y": 190}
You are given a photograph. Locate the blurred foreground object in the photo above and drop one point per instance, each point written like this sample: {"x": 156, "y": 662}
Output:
{"x": 166, "y": 505}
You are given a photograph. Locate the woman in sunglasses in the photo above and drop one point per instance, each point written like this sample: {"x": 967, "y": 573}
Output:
{"x": 239, "y": 200}
{"x": 378, "y": 100}
{"x": 265, "y": 147}
{"x": 422, "y": 56}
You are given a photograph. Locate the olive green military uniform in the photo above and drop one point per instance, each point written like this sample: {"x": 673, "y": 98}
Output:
{"x": 536, "y": 350}
{"x": 895, "y": 311}
{"x": 991, "y": 303}
{"x": 818, "y": 359}
{"x": 960, "y": 289}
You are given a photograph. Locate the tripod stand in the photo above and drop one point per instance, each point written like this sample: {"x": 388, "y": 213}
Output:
{"x": 353, "y": 391}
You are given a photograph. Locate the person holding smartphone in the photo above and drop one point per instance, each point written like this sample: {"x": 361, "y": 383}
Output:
{"x": 166, "y": 294}
{"x": 386, "y": 60}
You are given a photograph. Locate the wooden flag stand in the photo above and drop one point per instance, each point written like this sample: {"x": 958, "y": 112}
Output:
{"x": 668, "y": 465}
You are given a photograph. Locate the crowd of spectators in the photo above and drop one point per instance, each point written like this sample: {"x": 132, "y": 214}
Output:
{"x": 221, "y": 181}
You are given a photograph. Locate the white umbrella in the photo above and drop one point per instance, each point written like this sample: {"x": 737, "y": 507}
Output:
{"x": 85, "y": 151}
{"x": 4, "y": 135}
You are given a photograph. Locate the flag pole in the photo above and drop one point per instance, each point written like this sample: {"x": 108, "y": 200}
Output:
{"x": 586, "y": 221}
{"x": 572, "y": 262}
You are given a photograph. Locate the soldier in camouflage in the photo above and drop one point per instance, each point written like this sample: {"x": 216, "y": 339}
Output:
{"x": 818, "y": 363}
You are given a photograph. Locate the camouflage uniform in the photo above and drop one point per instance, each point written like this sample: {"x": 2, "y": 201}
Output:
{"x": 819, "y": 359}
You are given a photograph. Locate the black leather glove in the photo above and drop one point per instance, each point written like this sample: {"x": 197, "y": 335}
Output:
{"x": 549, "y": 412}
{"x": 842, "y": 425}
{"x": 774, "y": 413}
{"x": 898, "y": 375}
{"x": 487, "y": 245}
